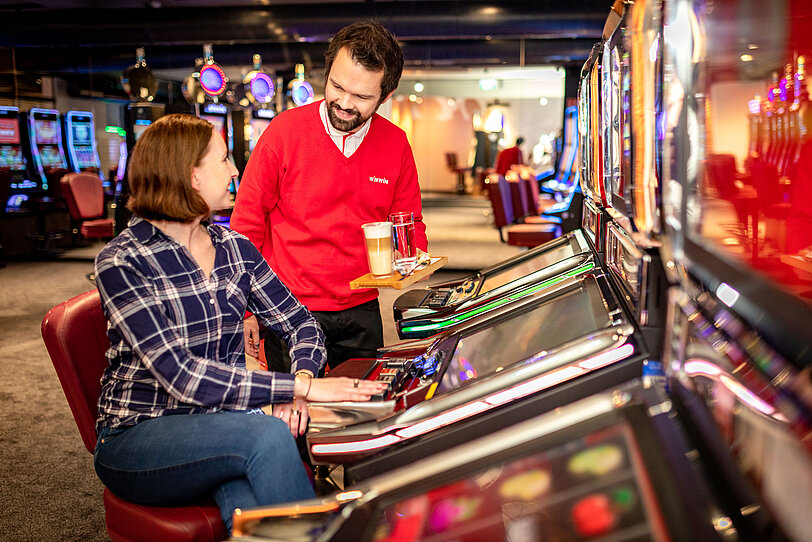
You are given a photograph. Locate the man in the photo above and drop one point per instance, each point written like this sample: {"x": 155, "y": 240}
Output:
{"x": 509, "y": 157}
{"x": 317, "y": 173}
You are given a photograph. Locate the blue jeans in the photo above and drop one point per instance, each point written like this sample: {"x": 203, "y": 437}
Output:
{"x": 242, "y": 460}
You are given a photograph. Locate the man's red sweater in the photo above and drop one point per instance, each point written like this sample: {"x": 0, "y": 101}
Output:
{"x": 302, "y": 203}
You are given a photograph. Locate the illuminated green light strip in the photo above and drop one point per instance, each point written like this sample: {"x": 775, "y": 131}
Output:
{"x": 452, "y": 320}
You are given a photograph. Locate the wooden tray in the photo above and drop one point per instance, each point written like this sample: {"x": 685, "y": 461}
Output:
{"x": 395, "y": 280}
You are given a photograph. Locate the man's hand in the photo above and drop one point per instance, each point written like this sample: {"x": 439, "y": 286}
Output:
{"x": 251, "y": 332}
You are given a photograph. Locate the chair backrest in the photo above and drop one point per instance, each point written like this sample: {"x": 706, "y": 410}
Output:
{"x": 531, "y": 183}
{"x": 499, "y": 196}
{"x": 75, "y": 334}
{"x": 451, "y": 160}
{"x": 84, "y": 194}
{"x": 519, "y": 197}
{"x": 722, "y": 174}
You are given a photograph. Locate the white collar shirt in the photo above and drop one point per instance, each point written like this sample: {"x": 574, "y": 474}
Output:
{"x": 346, "y": 142}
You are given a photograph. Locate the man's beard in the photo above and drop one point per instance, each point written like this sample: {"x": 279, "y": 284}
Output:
{"x": 341, "y": 124}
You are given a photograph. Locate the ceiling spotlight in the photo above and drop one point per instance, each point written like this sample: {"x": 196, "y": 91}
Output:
{"x": 543, "y": 101}
{"x": 418, "y": 87}
{"x": 746, "y": 58}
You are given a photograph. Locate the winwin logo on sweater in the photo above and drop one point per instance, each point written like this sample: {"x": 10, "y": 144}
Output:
{"x": 380, "y": 180}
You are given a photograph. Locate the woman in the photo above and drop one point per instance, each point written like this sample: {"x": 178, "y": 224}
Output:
{"x": 178, "y": 413}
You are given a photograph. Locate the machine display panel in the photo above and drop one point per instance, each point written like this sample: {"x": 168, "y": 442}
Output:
{"x": 46, "y": 131}
{"x": 9, "y": 131}
{"x": 566, "y": 317}
{"x": 586, "y": 488}
{"x": 524, "y": 268}
{"x": 50, "y": 157}
{"x": 11, "y": 157}
{"x": 82, "y": 133}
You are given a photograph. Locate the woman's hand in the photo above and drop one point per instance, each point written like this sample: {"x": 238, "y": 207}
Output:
{"x": 251, "y": 333}
{"x": 342, "y": 389}
{"x": 294, "y": 414}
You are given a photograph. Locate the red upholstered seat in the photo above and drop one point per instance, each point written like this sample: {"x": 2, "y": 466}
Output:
{"x": 531, "y": 235}
{"x": 75, "y": 333}
{"x": 523, "y": 235}
{"x": 84, "y": 195}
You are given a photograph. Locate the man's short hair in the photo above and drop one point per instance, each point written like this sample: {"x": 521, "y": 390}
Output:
{"x": 160, "y": 169}
{"x": 374, "y": 47}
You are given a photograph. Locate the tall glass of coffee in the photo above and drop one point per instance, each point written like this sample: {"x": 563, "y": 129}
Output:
{"x": 378, "y": 237}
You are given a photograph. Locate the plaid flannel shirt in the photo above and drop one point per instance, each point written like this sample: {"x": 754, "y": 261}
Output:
{"x": 176, "y": 337}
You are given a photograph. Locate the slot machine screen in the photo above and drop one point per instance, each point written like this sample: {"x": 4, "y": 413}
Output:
{"x": 11, "y": 157}
{"x": 588, "y": 487}
{"x": 566, "y": 317}
{"x": 82, "y": 133}
{"x": 50, "y": 157}
{"x": 523, "y": 269}
{"x": 46, "y": 132}
{"x": 219, "y": 124}
{"x": 9, "y": 131}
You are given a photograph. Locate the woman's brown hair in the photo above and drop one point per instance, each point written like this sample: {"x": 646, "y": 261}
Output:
{"x": 160, "y": 169}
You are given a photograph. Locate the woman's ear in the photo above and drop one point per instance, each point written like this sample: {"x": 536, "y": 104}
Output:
{"x": 195, "y": 182}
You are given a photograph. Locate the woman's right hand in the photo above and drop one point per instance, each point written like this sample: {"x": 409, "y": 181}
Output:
{"x": 342, "y": 389}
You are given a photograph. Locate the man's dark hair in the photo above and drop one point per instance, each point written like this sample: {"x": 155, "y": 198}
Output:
{"x": 374, "y": 47}
{"x": 519, "y": 141}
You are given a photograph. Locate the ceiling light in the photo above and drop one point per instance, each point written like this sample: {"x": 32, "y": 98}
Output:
{"x": 488, "y": 84}
{"x": 418, "y": 87}
{"x": 746, "y": 58}
{"x": 543, "y": 101}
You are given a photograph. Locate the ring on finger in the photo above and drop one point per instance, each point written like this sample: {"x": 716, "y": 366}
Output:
{"x": 355, "y": 383}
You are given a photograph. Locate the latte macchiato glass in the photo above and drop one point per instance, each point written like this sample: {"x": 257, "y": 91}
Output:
{"x": 378, "y": 237}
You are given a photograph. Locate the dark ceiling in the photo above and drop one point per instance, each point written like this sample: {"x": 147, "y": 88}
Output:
{"x": 80, "y": 36}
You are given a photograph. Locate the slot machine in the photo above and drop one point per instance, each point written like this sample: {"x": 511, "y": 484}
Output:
{"x": 259, "y": 90}
{"x": 81, "y": 144}
{"x": 567, "y": 174}
{"x": 213, "y": 82}
{"x": 141, "y": 86}
{"x": 13, "y": 163}
{"x": 300, "y": 91}
{"x": 740, "y": 316}
{"x": 45, "y": 148}
{"x": 613, "y": 466}
{"x": 594, "y": 216}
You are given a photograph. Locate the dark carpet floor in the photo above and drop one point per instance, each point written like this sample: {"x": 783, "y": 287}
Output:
{"x": 49, "y": 489}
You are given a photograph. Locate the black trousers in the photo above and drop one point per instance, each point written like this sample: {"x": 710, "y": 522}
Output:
{"x": 356, "y": 332}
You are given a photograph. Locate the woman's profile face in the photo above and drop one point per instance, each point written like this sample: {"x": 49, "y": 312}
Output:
{"x": 212, "y": 177}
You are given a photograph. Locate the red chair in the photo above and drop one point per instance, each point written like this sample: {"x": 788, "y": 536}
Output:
{"x": 454, "y": 167}
{"x": 84, "y": 194}
{"x": 75, "y": 334}
{"x": 523, "y": 235}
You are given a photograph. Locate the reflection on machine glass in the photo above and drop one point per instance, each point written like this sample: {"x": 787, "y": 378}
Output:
{"x": 523, "y": 269}
{"x": 586, "y": 488}
{"x": 562, "y": 319}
